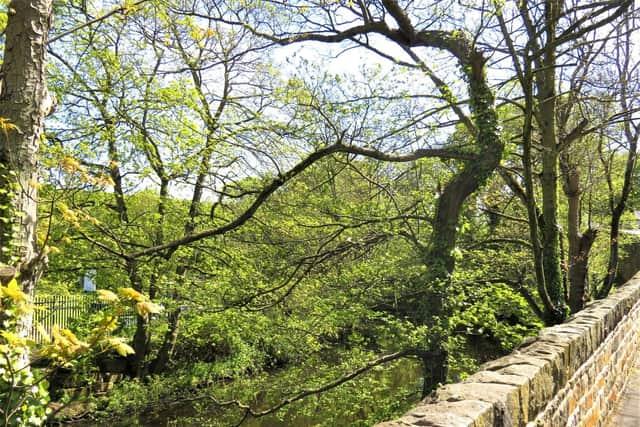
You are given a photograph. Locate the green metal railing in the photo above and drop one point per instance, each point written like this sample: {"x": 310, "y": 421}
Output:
{"x": 63, "y": 310}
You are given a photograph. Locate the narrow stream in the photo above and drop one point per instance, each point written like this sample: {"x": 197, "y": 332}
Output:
{"x": 380, "y": 393}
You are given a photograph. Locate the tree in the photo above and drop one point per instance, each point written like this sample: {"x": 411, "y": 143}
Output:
{"x": 202, "y": 113}
{"x": 477, "y": 161}
{"x": 24, "y": 103}
{"x": 549, "y": 32}
{"x": 627, "y": 95}
{"x": 430, "y": 306}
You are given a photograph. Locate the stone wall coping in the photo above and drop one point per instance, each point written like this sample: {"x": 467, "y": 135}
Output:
{"x": 514, "y": 389}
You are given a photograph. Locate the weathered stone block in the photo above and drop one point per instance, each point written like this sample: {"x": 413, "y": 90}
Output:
{"x": 468, "y": 413}
{"x": 541, "y": 385}
{"x": 521, "y": 383}
{"x": 504, "y": 399}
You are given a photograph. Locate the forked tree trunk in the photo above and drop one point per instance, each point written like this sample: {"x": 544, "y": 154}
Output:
{"x": 169, "y": 343}
{"x": 432, "y": 308}
{"x": 24, "y": 102}
{"x": 579, "y": 243}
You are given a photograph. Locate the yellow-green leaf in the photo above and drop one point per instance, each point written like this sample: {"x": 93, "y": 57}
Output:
{"x": 13, "y": 340}
{"x": 147, "y": 307}
{"x": 122, "y": 348}
{"x": 13, "y": 291}
{"x": 107, "y": 296}
{"x": 43, "y": 333}
{"x": 131, "y": 294}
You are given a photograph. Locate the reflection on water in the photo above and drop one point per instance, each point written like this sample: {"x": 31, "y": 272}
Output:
{"x": 348, "y": 404}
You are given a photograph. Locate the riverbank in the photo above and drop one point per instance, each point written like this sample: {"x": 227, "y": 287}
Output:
{"x": 189, "y": 398}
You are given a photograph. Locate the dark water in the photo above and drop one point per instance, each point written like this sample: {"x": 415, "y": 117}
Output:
{"x": 351, "y": 404}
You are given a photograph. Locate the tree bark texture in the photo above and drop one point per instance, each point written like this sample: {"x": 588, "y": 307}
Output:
{"x": 579, "y": 243}
{"x": 614, "y": 234}
{"x": 24, "y": 103}
{"x": 168, "y": 344}
{"x": 546, "y": 97}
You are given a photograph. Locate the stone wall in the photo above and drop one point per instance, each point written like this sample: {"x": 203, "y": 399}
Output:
{"x": 570, "y": 375}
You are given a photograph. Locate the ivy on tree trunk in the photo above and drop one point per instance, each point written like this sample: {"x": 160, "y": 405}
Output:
{"x": 24, "y": 103}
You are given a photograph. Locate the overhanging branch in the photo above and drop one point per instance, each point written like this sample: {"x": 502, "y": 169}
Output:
{"x": 282, "y": 179}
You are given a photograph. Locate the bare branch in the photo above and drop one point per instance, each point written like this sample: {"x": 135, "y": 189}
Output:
{"x": 121, "y": 9}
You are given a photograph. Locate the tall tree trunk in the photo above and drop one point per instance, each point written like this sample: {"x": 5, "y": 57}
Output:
{"x": 433, "y": 309}
{"x": 212, "y": 120}
{"x": 579, "y": 243}
{"x": 632, "y": 136}
{"x": 546, "y": 94}
{"x": 616, "y": 216}
{"x": 24, "y": 103}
